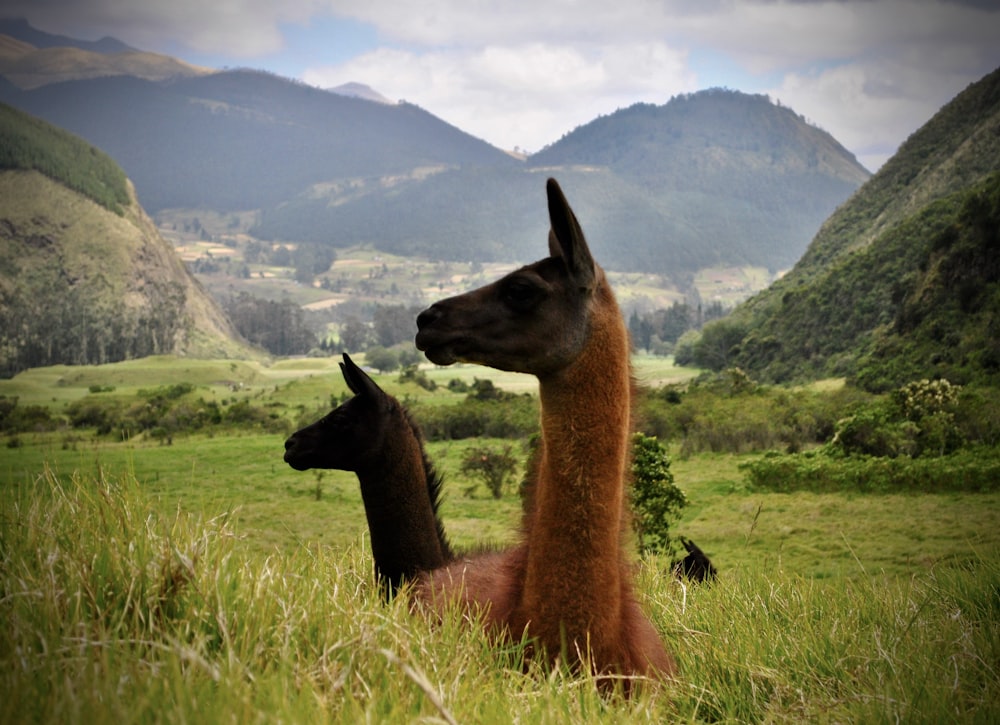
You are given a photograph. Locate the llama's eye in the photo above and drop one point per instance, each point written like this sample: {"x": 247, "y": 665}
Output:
{"x": 520, "y": 295}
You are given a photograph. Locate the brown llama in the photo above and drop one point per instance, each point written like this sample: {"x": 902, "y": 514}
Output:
{"x": 373, "y": 435}
{"x": 568, "y": 586}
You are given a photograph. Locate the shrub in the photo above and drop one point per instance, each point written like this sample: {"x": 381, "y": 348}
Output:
{"x": 729, "y": 413}
{"x": 413, "y": 374}
{"x": 977, "y": 415}
{"x": 874, "y": 431}
{"x": 457, "y": 385}
{"x": 917, "y": 419}
{"x": 493, "y": 466}
{"x": 656, "y": 502}
{"x": 242, "y": 414}
{"x": 381, "y": 358}
{"x": 16, "y": 418}
{"x": 89, "y": 413}
{"x": 970, "y": 470}
{"x": 514, "y": 418}
{"x": 484, "y": 389}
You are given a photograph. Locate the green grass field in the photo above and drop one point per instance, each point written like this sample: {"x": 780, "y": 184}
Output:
{"x": 206, "y": 580}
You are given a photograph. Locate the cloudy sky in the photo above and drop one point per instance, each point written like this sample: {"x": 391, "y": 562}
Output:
{"x": 522, "y": 73}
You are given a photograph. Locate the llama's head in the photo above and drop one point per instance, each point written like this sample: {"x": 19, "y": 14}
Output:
{"x": 534, "y": 320}
{"x": 353, "y": 432}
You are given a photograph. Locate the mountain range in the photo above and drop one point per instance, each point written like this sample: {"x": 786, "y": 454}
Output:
{"x": 712, "y": 178}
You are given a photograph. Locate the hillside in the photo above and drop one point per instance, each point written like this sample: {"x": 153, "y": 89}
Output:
{"x": 29, "y": 143}
{"x": 903, "y": 280}
{"x": 85, "y": 283}
{"x": 38, "y": 67}
{"x": 722, "y": 170}
{"x": 714, "y": 178}
{"x": 243, "y": 139}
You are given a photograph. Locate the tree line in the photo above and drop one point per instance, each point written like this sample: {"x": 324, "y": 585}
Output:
{"x": 663, "y": 331}
{"x": 278, "y": 327}
{"x": 81, "y": 325}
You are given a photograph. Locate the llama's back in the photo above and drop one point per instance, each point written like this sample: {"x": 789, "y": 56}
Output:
{"x": 485, "y": 582}
{"x": 489, "y": 584}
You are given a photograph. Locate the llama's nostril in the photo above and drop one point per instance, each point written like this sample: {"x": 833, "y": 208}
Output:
{"x": 428, "y": 316}
{"x": 290, "y": 443}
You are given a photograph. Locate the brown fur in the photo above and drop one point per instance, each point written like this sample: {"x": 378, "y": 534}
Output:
{"x": 568, "y": 584}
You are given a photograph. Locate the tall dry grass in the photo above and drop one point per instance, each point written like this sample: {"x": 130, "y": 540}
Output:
{"x": 114, "y": 613}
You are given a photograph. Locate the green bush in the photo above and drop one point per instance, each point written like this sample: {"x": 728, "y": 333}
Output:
{"x": 969, "y": 470}
{"x": 16, "y": 418}
{"x": 977, "y": 415}
{"x": 413, "y": 374}
{"x": 104, "y": 415}
{"x": 656, "y": 502}
{"x": 495, "y": 467}
{"x": 381, "y": 358}
{"x": 927, "y": 435}
{"x": 513, "y": 418}
{"x": 917, "y": 419}
{"x": 729, "y": 413}
{"x": 169, "y": 410}
{"x": 874, "y": 431}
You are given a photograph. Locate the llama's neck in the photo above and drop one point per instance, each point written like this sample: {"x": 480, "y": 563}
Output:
{"x": 392, "y": 469}
{"x": 404, "y": 529}
{"x": 585, "y": 419}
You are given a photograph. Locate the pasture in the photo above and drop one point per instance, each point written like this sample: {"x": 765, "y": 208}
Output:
{"x": 205, "y": 580}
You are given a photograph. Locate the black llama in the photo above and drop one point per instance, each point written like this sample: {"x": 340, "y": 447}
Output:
{"x": 373, "y": 435}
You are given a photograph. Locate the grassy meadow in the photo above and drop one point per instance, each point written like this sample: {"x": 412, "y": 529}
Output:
{"x": 201, "y": 580}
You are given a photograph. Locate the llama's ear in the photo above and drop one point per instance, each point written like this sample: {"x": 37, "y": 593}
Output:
{"x": 566, "y": 238}
{"x": 357, "y": 380}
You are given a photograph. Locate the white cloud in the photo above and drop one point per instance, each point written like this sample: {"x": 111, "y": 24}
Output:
{"x": 842, "y": 102}
{"x": 523, "y": 72}
{"x": 907, "y": 66}
{"x": 474, "y": 23}
{"x": 526, "y": 96}
{"x": 240, "y": 28}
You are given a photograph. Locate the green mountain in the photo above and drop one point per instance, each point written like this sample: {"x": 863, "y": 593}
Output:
{"x": 84, "y": 275}
{"x": 30, "y": 143}
{"x": 713, "y": 178}
{"x": 722, "y": 169}
{"x": 243, "y": 139}
{"x": 903, "y": 280}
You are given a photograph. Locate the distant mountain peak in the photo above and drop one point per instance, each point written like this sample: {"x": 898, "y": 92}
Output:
{"x": 360, "y": 90}
{"x": 21, "y": 29}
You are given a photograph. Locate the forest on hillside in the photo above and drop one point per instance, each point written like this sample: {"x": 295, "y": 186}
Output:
{"x": 32, "y": 144}
{"x": 923, "y": 300}
{"x": 80, "y": 282}
{"x": 78, "y": 324}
